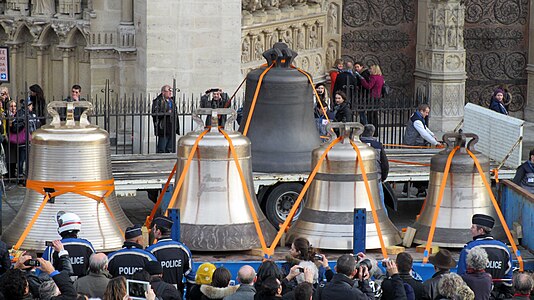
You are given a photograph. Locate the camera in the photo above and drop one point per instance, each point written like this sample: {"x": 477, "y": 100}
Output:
{"x": 318, "y": 257}
{"x": 32, "y": 263}
{"x": 384, "y": 263}
{"x": 363, "y": 263}
{"x": 301, "y": 269}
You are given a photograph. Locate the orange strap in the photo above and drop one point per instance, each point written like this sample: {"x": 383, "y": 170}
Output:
{"x": 184, "y": 171}
{"x": 293, "y": 210}
{"x": 149, "y": 219}
{"x": 246, "y": 191}
{"x": 373, "y": 208}
{"x": 314, "y": 91}
{"x": 253, "y": 105}
{"x": 438, "y": 204}
{"x": 499, "y": 213}
{"x": 496, "y": 174}
{"x": 408, "y": 162}
{"x": 63, "y": 187}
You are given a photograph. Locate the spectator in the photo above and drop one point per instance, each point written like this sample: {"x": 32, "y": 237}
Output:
{"x": 75, "y": 96}
{"x": 451, "y": 285}
{"x": 342, "y": 112}
{"x": 5, "y": 260}
{"x": 349, "y": 282}
{"x": 96, "y": 281}
{"x": 116, "y": 290}
{"x": 174, "y": 257}
{"x": 499, "y": 256}
{"x": 246, "y": 291}
{"x": 132, "y": 257}
{"x": 393, "y": 286}
{"x": 270, "y": 289}
{"x": 304, "y": 291}
{"x": 166, "y": 124}
{"x": 507, "y": 95}
{"x": 382, "y": 164}
{"x": 4, "y": 95}
{"x": 203, "y": 275}
{"x": 374, "y": 83}
{"x": 12, "y": 150}
{"x": 219, "y": 99}
{"x": 25, "y": 123}
{"x": 37, "y": 97}
{"x": 336, "y": 69}
{"x": 69, "y": 224}
{"x": 63, "y": 288}
{"x": 524, "y": 176}
{"x": 162, "y": 289}
{"x": 346, "y": 81}
{"x": 268, "y": 268}
{"x": 220, "y": 285}
{"x": 318, "y": 113}
{"x": 301, "y": 254}
{"x": 497, "y": 102}
{"x": 404, "y": 264}
{"x": 14, "y": 286}
{"x": 523, "y": 286}
{"x": 442, "y": 262}
{"x": 476, "y": 277}
{"x": 35, "y": 276}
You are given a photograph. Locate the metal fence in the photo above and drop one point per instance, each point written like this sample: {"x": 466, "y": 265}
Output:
{"x": 129, "y": 121}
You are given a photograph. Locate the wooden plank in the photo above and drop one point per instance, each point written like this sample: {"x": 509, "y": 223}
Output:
{"x": 408, "y": 237}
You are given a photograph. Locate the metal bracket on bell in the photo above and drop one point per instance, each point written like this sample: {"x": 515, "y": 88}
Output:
{"x": 214, "y": 115}
{"x": 70, "y": 106}
{"x": 345, "y": 130}
{"x": 281, "y": 55}
{"x": 460, "y": 139}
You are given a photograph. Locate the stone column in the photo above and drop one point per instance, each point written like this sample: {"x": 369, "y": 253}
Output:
{"x": 67, "y": 77}
{"x": 127, "y": 12}
{"x": 529, "y": 105}
{"x": 440, "y": 61}
{"x": 200, "y": 45}
{"x": 14, "y": 53}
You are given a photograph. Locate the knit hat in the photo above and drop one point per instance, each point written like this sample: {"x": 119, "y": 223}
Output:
{"x": 204, "y": 273}
{"x": 163, "y": 221}
{"x": 132, "y": 232}
{"x": 153, "y": 268}
{"x": 498, "y": 91}
{"x": 483, "y": 220}
{"x": 443, "y": 259}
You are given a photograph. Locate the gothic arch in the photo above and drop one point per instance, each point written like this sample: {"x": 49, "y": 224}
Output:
{"x": 75, "y": 37}
{"x": 22, "y": 34}
{"x": 4, "y": 37}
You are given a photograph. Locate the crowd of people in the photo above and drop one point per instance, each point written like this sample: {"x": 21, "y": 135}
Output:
{"x": 70, "y": 268}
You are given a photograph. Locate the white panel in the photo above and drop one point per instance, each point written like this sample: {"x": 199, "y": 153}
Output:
{"x": 497, "y": 133}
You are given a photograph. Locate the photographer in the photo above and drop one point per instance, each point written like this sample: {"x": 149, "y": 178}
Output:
{"x": 219, "y": 99}
{"x": 350, "y": 282}
{"x": 393, "y": 286}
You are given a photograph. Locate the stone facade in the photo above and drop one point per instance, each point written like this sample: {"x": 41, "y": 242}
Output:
{"x": 440, "y": 61}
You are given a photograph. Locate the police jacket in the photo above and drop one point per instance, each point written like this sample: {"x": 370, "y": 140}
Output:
{"x": 79, "y": 252}
{"x": 524, "y": 176}
{"x": 500, "y": 258}
{"x": 175, "y": 259}
{"x": 342, "y": 287}
{"x": 381, "y": 158}
{"x": 128, "y": 260}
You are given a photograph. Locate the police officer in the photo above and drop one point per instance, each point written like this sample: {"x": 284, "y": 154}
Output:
{"x": 69, "y": 224}
{"x": 174, "y": 257}
{"x": 131, "y": 257}
{"x": 500, "y": 258}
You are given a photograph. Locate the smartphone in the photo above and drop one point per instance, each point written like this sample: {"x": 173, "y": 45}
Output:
{"x": 318, "y": 257}
{"x": 136, "y": 289}
{"x": 32, "y": 263}
{"x": 301, "y": 269}
{"x": 48, "y": 243}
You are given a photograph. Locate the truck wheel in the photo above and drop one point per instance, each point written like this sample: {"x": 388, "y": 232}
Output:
{"x": 280, "y": 201}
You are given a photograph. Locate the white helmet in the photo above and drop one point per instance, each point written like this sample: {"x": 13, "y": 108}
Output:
{"x": 68, "y": 221}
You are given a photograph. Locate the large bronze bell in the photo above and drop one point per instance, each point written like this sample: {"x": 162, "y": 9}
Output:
{"x": 69, "y": 152}
{"x": 214, "y": 213}
{"x": 464, "y": 195}
{"x": 282, "y": 128}
{"x": 338, "y": 188}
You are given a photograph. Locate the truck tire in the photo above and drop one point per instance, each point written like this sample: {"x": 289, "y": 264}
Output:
{"x": 280, "y": 201}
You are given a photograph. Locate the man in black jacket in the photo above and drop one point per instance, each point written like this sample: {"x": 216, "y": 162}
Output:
{"x": 162, "y": 289}
{"x": 343, "y": 286}
{"x": 392, "y": 286}
{"x": 61, "y": 279}
{"x": 164, "y": 116}
{"x": 442, "y": 262}
{"x": 404, "y": 264}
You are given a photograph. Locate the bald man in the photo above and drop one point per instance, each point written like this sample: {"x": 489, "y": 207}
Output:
{"x": 94, "y": 284}
{"x": 246, "y": 277}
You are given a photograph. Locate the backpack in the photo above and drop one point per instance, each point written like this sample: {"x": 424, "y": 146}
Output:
{"x": 386, "y": 90}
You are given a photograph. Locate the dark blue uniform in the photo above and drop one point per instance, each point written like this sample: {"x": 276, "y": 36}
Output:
{"x": 128, "y": 260}
{"x": 79, "y": 252}
{"x": 175, "y": 259}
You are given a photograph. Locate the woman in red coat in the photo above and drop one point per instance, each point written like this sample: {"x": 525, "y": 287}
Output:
{"x": 375, "y": 83}
{"x": 338, "y": 67}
